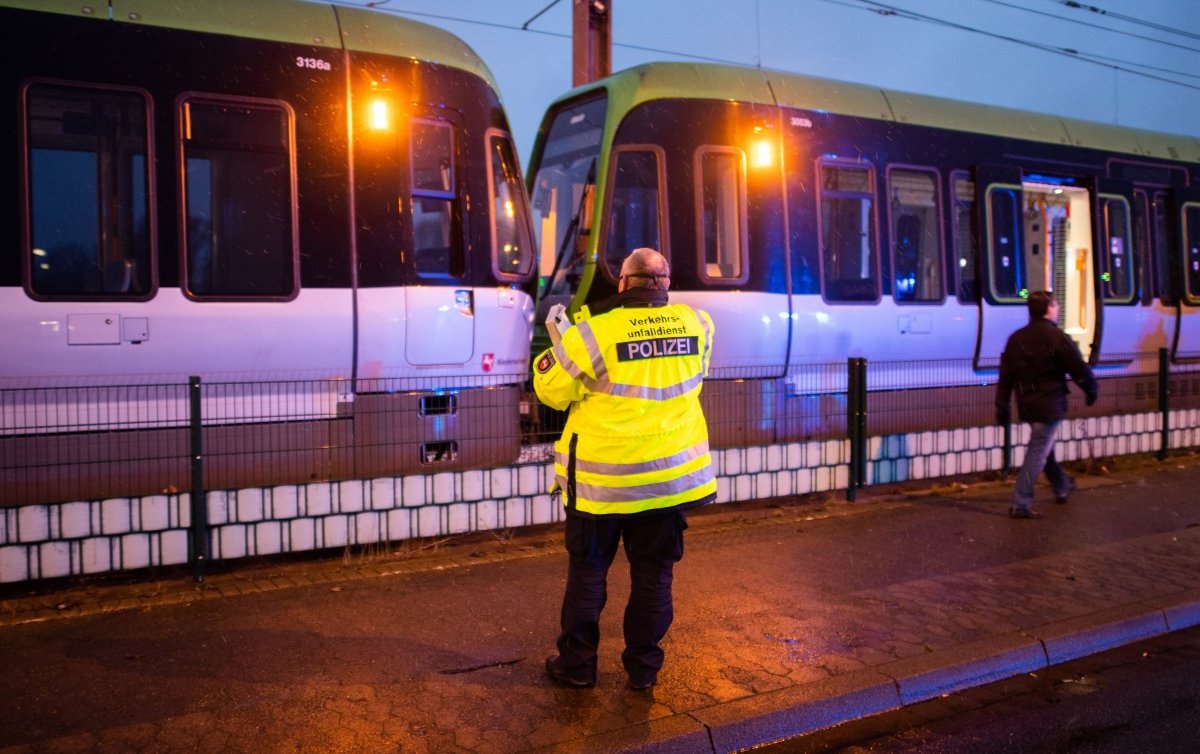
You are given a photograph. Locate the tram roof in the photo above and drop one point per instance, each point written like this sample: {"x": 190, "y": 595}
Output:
{"x": 652, "y": 81}
{"x": 291, "y": 21}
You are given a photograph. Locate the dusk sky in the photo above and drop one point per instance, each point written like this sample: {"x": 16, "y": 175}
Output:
{"x": 1135, "y": 62}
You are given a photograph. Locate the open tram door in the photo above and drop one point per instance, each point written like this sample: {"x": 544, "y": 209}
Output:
{"x": 1184, "y": 222}
{"x": 1035, "y": 234}
{"x": 1121, "y": 321}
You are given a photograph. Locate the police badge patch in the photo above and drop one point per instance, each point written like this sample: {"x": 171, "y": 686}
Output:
{"x": 545, "y": 362}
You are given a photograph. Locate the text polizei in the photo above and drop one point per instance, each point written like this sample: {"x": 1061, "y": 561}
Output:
{"x": 632, "y": 350}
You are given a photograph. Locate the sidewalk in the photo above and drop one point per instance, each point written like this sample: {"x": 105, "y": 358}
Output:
{"x": 791, "y": 616}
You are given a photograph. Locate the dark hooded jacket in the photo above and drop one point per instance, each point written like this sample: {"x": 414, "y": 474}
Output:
{"x": 1034, "y": 365}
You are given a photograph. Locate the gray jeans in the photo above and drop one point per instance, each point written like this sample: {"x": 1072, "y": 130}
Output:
{"x": 1039, "y": 455}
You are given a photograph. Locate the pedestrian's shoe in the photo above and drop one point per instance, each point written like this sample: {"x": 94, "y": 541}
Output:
{"x": 1015, "y": 512}
{"x": 559, "y": 674}
{"x": 1062, "y": 499}
{"x": 640, "y": 684}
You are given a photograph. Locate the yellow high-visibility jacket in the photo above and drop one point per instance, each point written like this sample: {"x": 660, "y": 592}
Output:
{"x": 635, "y": 438}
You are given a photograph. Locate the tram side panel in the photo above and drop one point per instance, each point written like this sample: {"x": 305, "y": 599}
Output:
{"x": 445, "y": 268}
{"x": 872, "y": 241}
{"x": 210, "y": 271}
{"x": 236, "y": 141}
{"x": 700, "y": 180}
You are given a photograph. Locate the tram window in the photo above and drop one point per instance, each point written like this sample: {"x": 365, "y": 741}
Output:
{"x": 1118, "y": 251}
{"x": 916, "y": 235}
{"x": 512, "y": 248}
{"x": 634, "y": 214}
{"x": 1161, "y": 234}
{"x": 1191, "y": 250}
{"x": 561, "y": 201}
{"x": 88, "y": 203}
{"x": 436, "y": 250}
{"x": 239, "y": 193}
{"x": 1142, "y": 243}
{"x": 848, "y": 233}
{"x": 1004, "y": 253}
{"x": 721, "y": 214}
{"x": 966, "y": 247}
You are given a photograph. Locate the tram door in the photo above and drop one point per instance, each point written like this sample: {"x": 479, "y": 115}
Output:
{"x": 1059, "y": 245}
{"x": 1124, "y": 327}
{"x": 440, "y": 321}
{"x": 1185, "y": 221}
{"x": 1036, "y": 235}
{"x": 999, "y": 198}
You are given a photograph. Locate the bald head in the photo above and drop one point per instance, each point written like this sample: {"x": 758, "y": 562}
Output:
{"x": 645, "y": 268}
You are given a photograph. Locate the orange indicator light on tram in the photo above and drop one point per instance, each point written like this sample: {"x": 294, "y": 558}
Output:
{"x": 379, "y": 119}
{"x": 762, "y": 153}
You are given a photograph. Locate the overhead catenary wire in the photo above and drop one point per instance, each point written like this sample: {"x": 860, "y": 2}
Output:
{"x": 1072, "y": 4}
{"x": 513, "y": 27}
{"x": 536, "y": 16}
{"x": 880, "y": 8}
{"x": 1109, "y": 29}
{"x": 885, "y": 9}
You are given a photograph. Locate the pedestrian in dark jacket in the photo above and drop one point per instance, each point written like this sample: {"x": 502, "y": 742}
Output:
{"x": 1035, "y": 363}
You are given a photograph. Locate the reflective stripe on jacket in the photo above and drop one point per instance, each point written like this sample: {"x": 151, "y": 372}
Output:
{"x": 635, "y": 438}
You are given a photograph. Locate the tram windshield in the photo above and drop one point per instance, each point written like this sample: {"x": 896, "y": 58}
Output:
{"x": 564, "y": 178}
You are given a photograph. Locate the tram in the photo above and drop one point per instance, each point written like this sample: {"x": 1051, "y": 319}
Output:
{"x": 817, "y": 220}
{"x": 247, "y": 192}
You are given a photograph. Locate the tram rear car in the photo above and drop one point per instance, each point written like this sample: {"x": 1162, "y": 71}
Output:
{"x": 817, "y": 221}
{"x": 317, "y": 207}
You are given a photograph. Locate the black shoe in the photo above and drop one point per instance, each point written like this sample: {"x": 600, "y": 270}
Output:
{"x": 1062, "y": 499}
{"x": 1015, "y": 512}
{"x": 559, "y": 675}
{"x": 640, "y": 684}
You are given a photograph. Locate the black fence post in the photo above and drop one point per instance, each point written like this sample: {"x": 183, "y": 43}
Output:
{"x": 862, "y": 422}
{"x": 856, "y": 423}
{"x": 1164, "y": 402}
{"x": 198, "y": 539}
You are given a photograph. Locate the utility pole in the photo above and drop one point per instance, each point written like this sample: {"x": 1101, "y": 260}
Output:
{"x": 591, "y": 34}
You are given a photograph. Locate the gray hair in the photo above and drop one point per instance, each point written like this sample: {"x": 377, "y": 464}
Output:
{"x": 646, "y": 268}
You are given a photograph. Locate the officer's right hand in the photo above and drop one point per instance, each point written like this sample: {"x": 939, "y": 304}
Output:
{"x": 1091, "y": 399}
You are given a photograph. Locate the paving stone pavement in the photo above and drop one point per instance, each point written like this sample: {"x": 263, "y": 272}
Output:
{"x": 791, "y": 616}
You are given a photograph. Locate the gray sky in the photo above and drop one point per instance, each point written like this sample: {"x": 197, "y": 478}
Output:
{"x": 1137, "y": 64}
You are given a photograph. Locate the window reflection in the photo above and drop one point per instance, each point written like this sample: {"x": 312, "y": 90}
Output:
{"x": 721, "y": 196}
{"x": 848, "y": 233}
{"x": 88, "y": 198}
{"x": 238, "y": 188}
{"x": 513, "y": 250}
{"x": 435, "y": 248}
{"x": 1118, "y": 251}
{"x": 633, "y": 214}
{"x": 916, "y": 235}
{"x": 966, "y": 247}
{"x": 1007, "y": 263}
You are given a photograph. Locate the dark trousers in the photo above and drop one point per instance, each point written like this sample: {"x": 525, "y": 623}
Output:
{"x": 653, "y": 545}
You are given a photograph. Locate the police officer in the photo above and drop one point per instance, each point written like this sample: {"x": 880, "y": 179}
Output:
{"x": 1034, "y": 364}
{"x": 633, "y": 455}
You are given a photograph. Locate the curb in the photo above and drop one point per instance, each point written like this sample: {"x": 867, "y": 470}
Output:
{"x": 767, "y": 718}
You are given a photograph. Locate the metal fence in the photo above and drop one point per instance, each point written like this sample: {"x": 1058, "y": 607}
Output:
{"x": 71, "y": 443}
